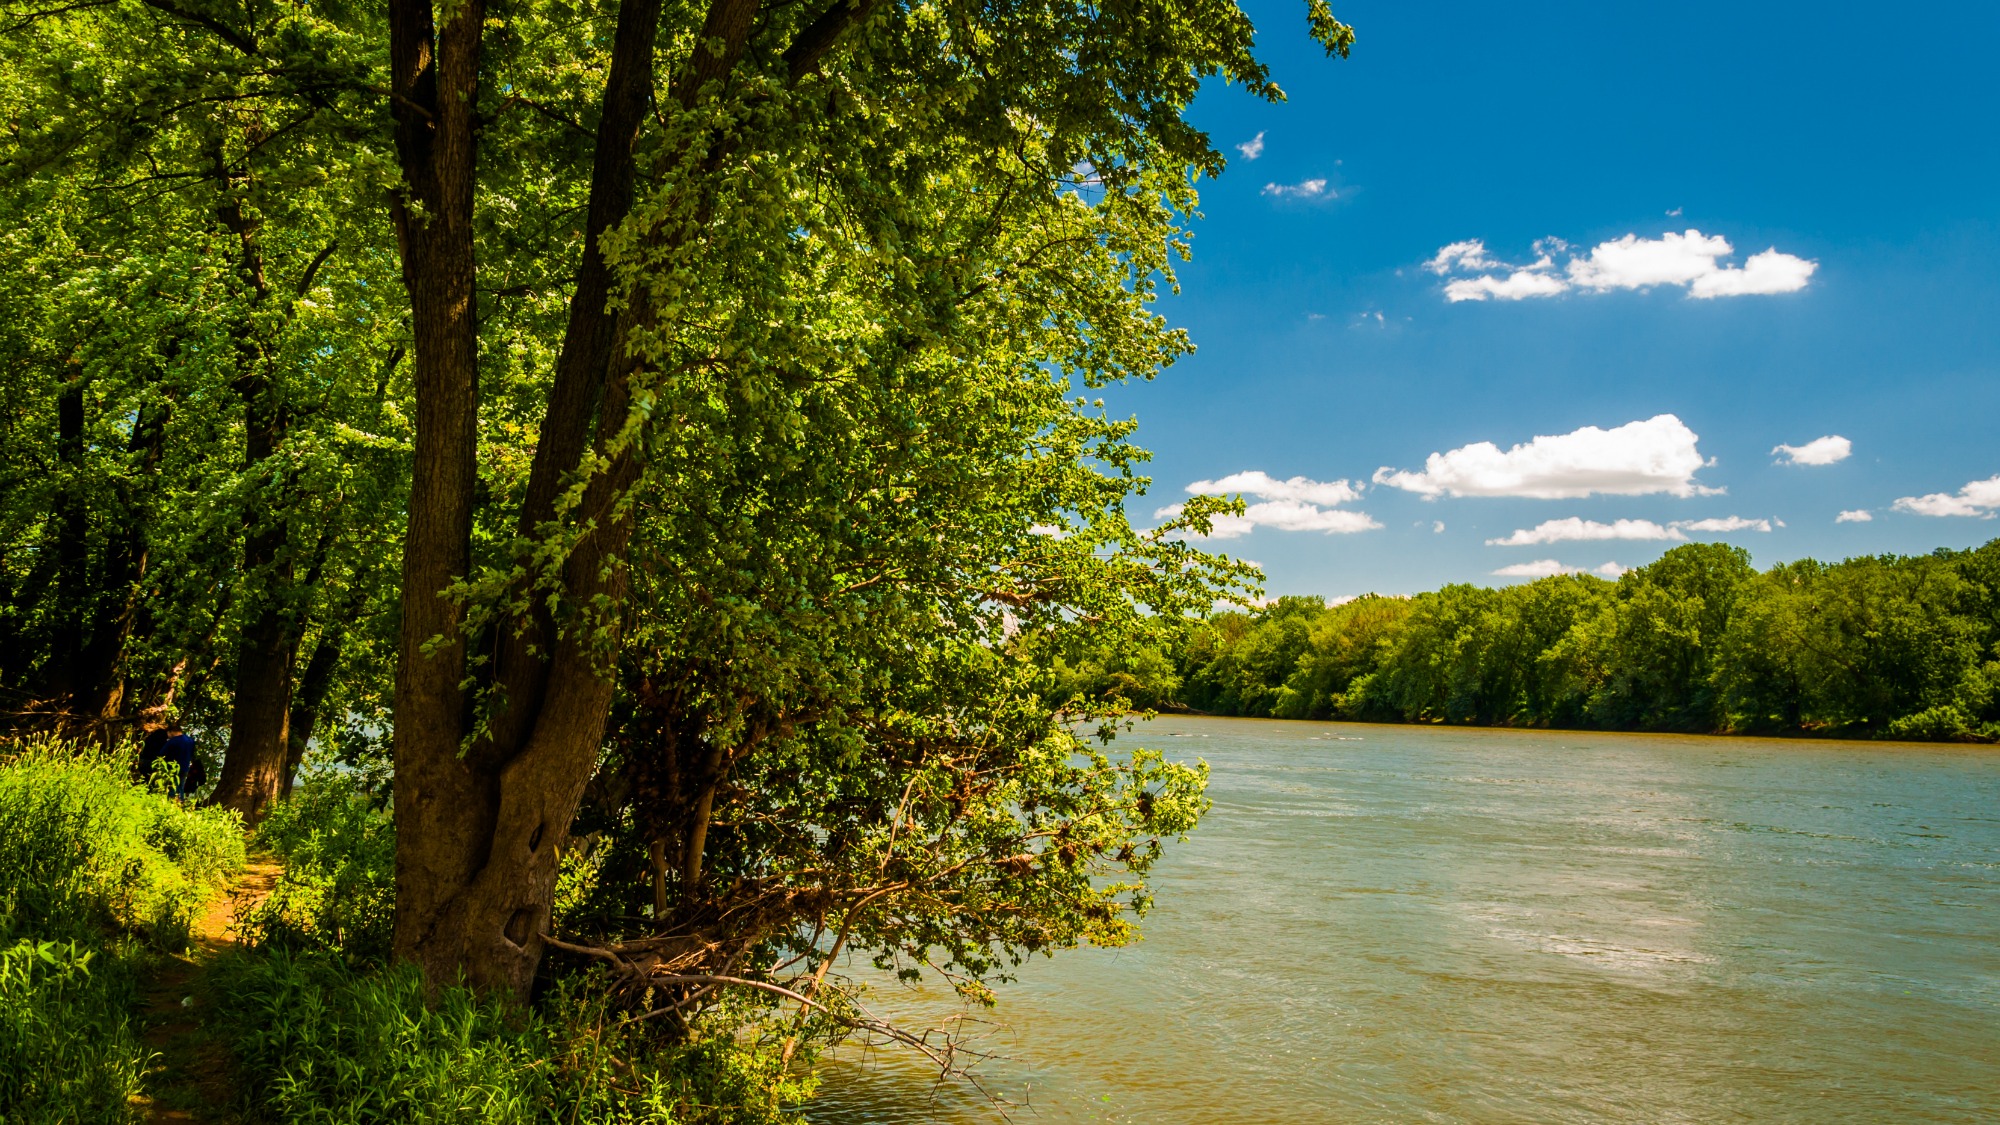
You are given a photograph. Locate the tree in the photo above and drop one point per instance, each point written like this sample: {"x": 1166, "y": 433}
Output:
{"x": 196, "y": 264}
{"x": 775, "y": 132}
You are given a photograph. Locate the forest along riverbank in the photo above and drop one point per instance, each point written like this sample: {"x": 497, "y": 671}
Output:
{"x": 1419, "y": 923}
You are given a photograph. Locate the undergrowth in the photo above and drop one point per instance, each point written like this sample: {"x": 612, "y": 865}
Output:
{"x": 95, "y": 874}
{"x": 334, "y": 1044}
{"x": 337, "y": 892}
{"x": 336, "y": 1035}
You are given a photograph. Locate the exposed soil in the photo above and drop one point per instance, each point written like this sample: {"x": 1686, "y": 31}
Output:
{"x": 190, "y": 1076}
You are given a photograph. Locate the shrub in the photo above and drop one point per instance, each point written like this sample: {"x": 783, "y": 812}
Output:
{"x": 81, "y": 846}
{"x": 338, "y": 889}
{"x": 83, "y": 853}
{"x": 1933, "y": 724}
{"x": 332, "y": 1043}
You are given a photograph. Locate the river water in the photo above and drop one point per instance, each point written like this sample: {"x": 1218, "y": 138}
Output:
{"x": 1389, "y": 924}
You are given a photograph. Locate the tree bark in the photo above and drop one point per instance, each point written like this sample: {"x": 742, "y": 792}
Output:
{"x": 313, "y": 685}
{"x": 443, "y": 804}
{"x": 479, "y": 825}
{"x": 253, "y": 768}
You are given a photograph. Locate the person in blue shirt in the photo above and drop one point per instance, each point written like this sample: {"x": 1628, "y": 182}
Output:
{"x": 173, "y": 746}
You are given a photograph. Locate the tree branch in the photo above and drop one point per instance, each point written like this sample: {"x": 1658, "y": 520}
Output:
{"x": 819, "y": 36}
{"x": 227, "y": 34}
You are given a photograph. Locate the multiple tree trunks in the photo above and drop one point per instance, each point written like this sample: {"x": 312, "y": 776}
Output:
{"x": 480, "y": 820}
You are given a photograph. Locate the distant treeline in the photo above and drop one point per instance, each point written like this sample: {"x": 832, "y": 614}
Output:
{"x": 1887, "y": 646}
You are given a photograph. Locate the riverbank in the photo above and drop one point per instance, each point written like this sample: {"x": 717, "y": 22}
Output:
{"x": 1901, "y": 648}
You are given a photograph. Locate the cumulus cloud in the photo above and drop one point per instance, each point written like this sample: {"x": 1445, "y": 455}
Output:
{"x": 1827, "y": 450}
{"x": 1540, "y": 568}
{"x": 1724, "y": 523}
{"x": 1468, "y": 255}
{"x": 1691, "y": 260}
{"x": 1578, "y": 530}
{"x": 1262, "y": 485}
{"x": 1854, "y": 515}
{"x": 1285, "y": 515}
{"x": 1305, "y": 189}
{"x": 1515, "y": 286}
{"x": 1636, "y": 459}
{"x": 1979, "y": 498}
{"x": 1293, "y": 504}
{"x": 1548, "y": 568}
{"x": 1252, "y": 148}
{"x": 1574, "y": 530}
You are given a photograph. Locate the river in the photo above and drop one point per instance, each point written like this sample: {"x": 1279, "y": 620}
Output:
{"x": 1424, "y": 924}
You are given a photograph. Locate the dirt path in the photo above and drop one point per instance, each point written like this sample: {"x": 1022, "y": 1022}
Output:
{"x": 190, "y": 1080}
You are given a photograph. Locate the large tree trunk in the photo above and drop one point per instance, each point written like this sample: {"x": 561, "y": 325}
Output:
{"x": 480, "y": 825}
{"x": 478, "y": 831}
{"x": 316, "y": 682}
{"x": 253, "y": 769}
{"x": 441, "y": 799}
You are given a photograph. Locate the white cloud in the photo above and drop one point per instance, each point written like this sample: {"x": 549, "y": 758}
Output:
{"x": 1540, "y": 568}
{"x": 1285, "y": 515}
{"x": 1516, "y": 286}
{"x": 1294, "y": 504}
{"x": 1468, "y": 255}
{"x": 1725, "y": 523}
{"x": 1979, "y": 498}
{"x": 1690, "y": 259}
{"x": 1632, "y": 262}
{"x": 1252, "y": 148}
{"x": 1574, "y": 529}
{"x": 1293, "y": 515}
{"x": 1827, "y": 450}
{"x": 1437, "y": 527}
{"x": 1549, "y": 568}
{"x": 1262, "y": 485}
{"x": 1305, "y": 189}
{"x": 1768, "y": 272}
{"x": 1636, "y": 459}
{"x": 1854, "y": 515}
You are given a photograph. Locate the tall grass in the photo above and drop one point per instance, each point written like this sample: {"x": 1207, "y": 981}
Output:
{"x": 93, "y": 870}
{"x": 338, "y": 1036}
{"x": 333, "y": 1044}
{"x": 337, "y": 892}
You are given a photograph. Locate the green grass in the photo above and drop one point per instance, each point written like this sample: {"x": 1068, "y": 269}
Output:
{"x": 338, "y": 1036}
{"x": 338, "y": 889}
{"x": 340, "y": 1045}
{"x": 96, "y": 874}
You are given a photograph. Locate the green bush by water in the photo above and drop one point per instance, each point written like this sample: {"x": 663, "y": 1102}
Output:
{"x": 338, "y": 1045}
{"x": 338, "y": 1036}
{"x": 89, "y": 864}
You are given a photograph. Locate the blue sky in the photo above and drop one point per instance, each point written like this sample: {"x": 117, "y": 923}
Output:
{"x": 1858, "y": 143}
